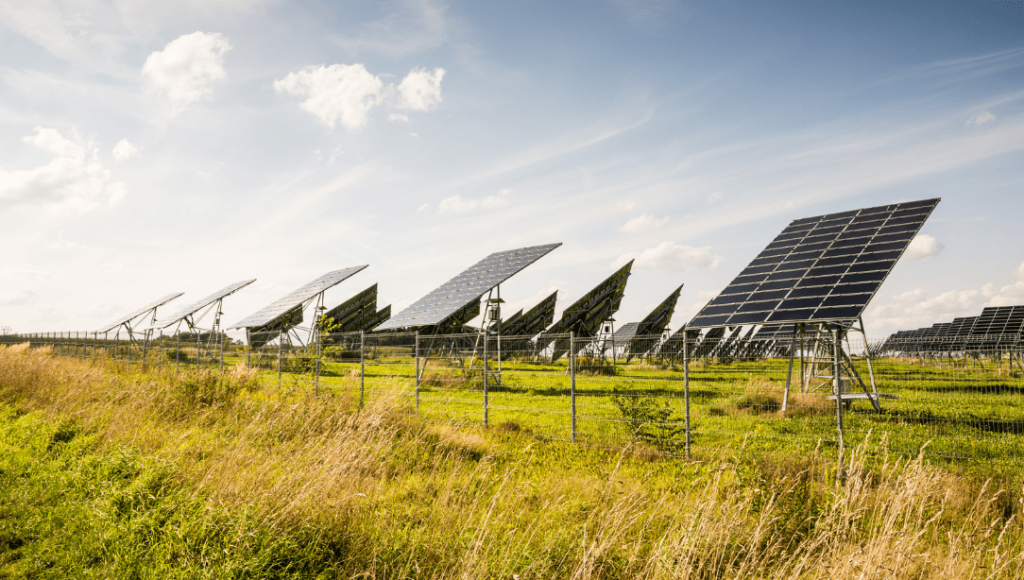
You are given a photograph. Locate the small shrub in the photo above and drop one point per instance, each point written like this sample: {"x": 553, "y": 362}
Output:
{"x": 648, "y": 420}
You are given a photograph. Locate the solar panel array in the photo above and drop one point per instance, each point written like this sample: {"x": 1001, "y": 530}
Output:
{"x": 821, "y": 269}
{"x": 200, "y": 304}
{"x": 285, "y": 306}
{"x": 654, "y": 323}
{"x": 586, "y": 315}
{"x": 358, "y": 313}
{"x": 129, "y": 317}
{"x": 996, "y": 327}
{"x": 625, "y": 333}
{"x": 534, "y": 321}
{"x": 455, "y": 294}
{"x": 1000, "y": 321}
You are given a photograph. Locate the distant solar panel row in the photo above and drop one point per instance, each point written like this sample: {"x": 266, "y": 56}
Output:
{"x": 470, "y": 285}
{"x": 129, "y": 317}
{"x": 286, "y": 305}
{"x": 199, "y": 305}
{"x": 824, "y": 268}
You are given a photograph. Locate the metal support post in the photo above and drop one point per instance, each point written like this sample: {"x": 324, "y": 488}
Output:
{"x": 686, "y": 389}
{"x": 316, "y": 364}
{"x": 789, "y": 376}
{"x": 486, "y": 369}
{"x": 177, "y": 351}
{"x": 837, "y": 387}
{"x": 417, "y": 372}
{"x": 362, "y": 367}
{"x": 572, "y": 381}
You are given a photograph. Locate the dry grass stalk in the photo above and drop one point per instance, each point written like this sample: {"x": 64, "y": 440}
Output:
{"x": 408, "y": 498}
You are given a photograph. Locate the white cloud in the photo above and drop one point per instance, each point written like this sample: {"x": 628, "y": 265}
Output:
{"x": 187, "y": 66}
{"x": 716, "y": 196}
{"x": 922, "y": 247}
{"x": 420, "y": 90}
{"x": 644, "y": 223}
{"x": 982, "y": 118}
{"x": 124, "y": 150}
{"x": 27, "y": 273}
{"x": 52, "y": 141}
{"x": 672, "y": 257}
{"x": 345, "y": 94}
{"x": 455, "y": 203}
{"x": 19, "y": 298}
{"x": 423, "y": 208}
{"x": 340, "y": 93}
{"x": 74, "y": 179}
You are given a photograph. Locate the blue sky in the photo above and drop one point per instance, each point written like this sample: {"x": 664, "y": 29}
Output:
{"x": 153, "y": 147}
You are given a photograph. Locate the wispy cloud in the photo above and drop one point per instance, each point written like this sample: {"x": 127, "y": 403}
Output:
{"x": 456, "y": 204}
{"x": 409, "y": 28}
{"x": 73, "y": 180}
{"x": 643, "y": 223}
{"x": 672, "y": 257}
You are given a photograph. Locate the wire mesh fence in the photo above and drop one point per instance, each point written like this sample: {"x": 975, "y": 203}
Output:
{"x": 697, "y": 396}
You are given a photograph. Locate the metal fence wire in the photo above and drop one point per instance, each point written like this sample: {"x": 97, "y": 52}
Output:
{"x": 697, "y": 396}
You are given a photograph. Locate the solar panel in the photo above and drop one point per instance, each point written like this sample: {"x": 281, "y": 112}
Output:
{"x": 358, "y": 313}
{"x": 128, "y": 318}
{"x": 998, "y": 326}
{"x": 470, "y": 285}
{"x": 199, "y": 305}
{"x": 819, "y": 269}
{"x": 286, "y": 305}
{"x": 653, "y": 324}
{"x": 625, "y": 333}
{"x": 534, "y": 321}
{"x": 585, "y": 315}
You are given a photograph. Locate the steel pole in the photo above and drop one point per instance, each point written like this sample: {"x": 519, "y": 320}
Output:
{"x": 686, "y": 391}
{"x": 572, "y": 380}
{"x": 486, "y": 408}
{"x": 417, "y": 372}
{"x": 362, "y": 367}
{"x": 837, "y": 388}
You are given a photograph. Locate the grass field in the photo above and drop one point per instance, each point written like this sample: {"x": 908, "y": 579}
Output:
{"x": 113, "y": 473}
{"x": 957, "y": 410}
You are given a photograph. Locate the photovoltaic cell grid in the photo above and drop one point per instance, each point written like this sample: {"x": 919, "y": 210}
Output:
{"x": 824, "y": 268}
{"x": 470, "y": 285}
{"x": 199, "y": 305}
{"x": 1000, "y": 320}
{"x": 625, "y": 333}
{"x": 297, "y": 298}
{"x": 140, "y": 312}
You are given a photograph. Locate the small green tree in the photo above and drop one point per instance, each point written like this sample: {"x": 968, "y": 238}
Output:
{"x": 648, "y": 420}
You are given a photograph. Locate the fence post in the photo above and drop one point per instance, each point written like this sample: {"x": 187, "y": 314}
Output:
{"x": 362, "y": 367}
{"x": 486, "y": 406}
{"x": 686, "y": 391}
{"x": 572, "y": 380}
{"x": 417, "y": 372}
{"x": 837, "y": 388}
{"x": 317, "y": 363}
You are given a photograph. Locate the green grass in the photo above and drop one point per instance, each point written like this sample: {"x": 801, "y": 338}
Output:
{"x": 108, "y": 472}
{"x": 956, "y": 410}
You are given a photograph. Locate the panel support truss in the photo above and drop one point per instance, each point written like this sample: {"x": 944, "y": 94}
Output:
{"x": 823, "y": 350}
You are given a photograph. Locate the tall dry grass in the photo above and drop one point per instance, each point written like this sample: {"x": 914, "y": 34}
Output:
{"x": 389, "y": 496}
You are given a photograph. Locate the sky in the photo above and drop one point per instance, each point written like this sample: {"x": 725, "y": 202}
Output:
{"x": 155, "y": 147}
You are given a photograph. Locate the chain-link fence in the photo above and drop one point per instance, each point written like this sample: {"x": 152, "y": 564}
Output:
{"x": 696, "y": 396}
